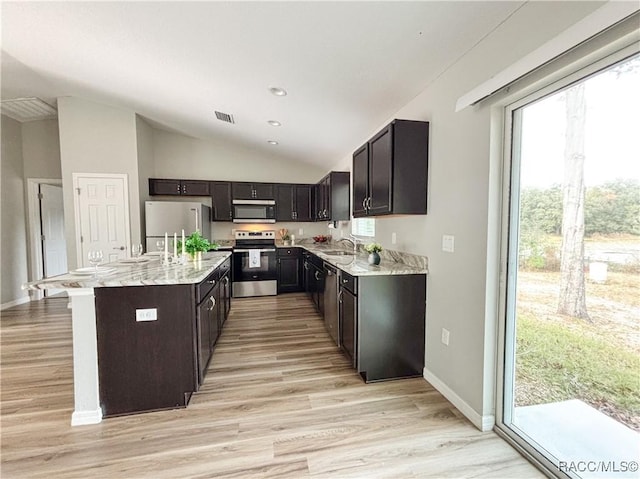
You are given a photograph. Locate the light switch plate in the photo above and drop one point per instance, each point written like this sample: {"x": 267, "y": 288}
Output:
{"x": 448, "y": 243}
{"x": 300, "y": 231}
{"x": 146, "y": 314}
{"x": 445, "y": 337}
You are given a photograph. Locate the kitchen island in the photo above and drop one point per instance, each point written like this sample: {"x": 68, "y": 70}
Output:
{"x": 143, "y": 333}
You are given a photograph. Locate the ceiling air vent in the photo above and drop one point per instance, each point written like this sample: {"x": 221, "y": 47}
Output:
{"x": 224, "y": 117}
{"x": 28, "y": 109}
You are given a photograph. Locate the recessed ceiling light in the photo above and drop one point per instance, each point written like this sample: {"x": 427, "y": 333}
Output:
{"x": 274, "y": 123}
{"x": 278, "y": 91}
{"x": 272, "y": 142}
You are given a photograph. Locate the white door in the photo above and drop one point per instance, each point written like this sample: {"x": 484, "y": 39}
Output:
{"x": 103, "y": 214}
{"x": 54, "y": 249}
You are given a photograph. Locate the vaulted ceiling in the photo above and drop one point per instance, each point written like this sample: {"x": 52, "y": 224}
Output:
{"x": 346, "y": 66}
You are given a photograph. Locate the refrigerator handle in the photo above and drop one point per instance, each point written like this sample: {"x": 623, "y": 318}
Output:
{"x": 195, "y": 210}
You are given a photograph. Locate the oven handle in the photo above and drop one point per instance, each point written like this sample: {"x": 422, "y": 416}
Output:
{"x": 259, "y": 250}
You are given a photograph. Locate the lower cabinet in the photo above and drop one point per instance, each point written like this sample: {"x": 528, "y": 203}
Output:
{"x": 290, "y": 270}
{"x": 314, "y": 279}
{"x": 382, "y": 324}
{"x": 146, "y": 365}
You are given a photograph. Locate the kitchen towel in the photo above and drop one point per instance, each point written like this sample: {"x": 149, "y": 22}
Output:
{"x": 254, "y": 258}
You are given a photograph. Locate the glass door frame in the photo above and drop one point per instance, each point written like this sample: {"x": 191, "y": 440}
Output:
{"x": 511, "y": 119}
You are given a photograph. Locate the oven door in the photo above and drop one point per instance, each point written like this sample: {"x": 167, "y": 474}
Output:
{"x": 260, "y": 280}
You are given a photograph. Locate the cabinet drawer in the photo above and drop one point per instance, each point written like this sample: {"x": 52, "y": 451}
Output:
{"x": 290, "y": 251}
{"x": 349, "y": 282}
{"x": 202, "y": 289}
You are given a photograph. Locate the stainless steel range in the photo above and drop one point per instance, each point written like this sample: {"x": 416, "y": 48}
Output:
{"x": 254, "y": 264}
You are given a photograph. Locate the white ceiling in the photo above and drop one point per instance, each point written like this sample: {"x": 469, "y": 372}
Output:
{"x": 347, "y": 66}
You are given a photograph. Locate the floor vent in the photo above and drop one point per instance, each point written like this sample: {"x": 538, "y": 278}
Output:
{"x": 224, "y": 117}
{"x": 28, "y": 109}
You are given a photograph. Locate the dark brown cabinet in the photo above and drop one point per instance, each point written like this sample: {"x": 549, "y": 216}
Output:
{"x": 348, "y": 314}
{"x": 382, "y": 324}
{"x": 313, "y": 270}
{"x": 293, "y": 202}
{"x": 158, "y": 186}
{"x": 221, "y": 201}
{"x": 390, "y": 171}
{"x": 332, "y": 197}
{"x": 147, "y": 364}
{"x": 289, "y": 270}
{"x": 253, "y": 191}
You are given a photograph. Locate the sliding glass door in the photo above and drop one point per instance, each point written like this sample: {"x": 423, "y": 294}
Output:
{"x": 571, "y": 386}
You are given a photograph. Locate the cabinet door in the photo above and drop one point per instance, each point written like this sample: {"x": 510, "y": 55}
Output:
{"x": 319, "y": 198}
{"x": 214, "y": 316}
{"x": 380, "y": 164}
{"x": 164, "y": 187}
{"x": 226, "y": 299}
{"x": 348, "y": 321}
{"x": 285, "y": 203}
{"x": 203, "y": 326}
{"x": 360, "y": 181}
{"x": 326, "y": 184}
{"x": 289, "y": 274}
{"x": 195, "y": 188}
{"x": 221, "y": 201}
{"x": 303, "y": 203}
{"x": 264, "y": 191}
{"x": 242, "y": 191}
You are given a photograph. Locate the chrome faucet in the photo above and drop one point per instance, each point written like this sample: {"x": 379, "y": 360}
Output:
{"x": 353, "y": 243}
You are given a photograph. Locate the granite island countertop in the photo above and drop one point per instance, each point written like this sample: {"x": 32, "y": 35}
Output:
{"x": 149, "y": 273}
{"x": 357, "y": 265}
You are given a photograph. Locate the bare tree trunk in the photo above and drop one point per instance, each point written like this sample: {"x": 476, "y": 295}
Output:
{"x": 572, "y": 299}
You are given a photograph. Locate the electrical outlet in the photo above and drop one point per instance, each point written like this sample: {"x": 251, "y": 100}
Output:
{"x": 448, "y": 243}
{"x": 445, "y": 337}
{"x": 300, "y": 231}
{"x": 394, "y": 238}
{"x": 146, "y": 314}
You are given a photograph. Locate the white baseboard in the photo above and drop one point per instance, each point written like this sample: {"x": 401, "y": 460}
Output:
{"x": 81, "y": 418}
{"x": 11, "y": 304}
{"x": 484, "y": 423}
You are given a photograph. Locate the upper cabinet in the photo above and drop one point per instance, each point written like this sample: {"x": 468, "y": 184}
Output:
{"x": 221, "y": 201}
{"x": 332, "y": 197}
{"x": 178, "y": 187}
{"x": 390, "y": 171}
{"x": 293, "y": 202}
{"x": 253, "y": 191}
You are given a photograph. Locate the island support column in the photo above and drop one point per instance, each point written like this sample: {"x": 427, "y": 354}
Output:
{"x": 85, "y": 358}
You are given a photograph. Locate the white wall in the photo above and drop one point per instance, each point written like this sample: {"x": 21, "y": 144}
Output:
{"x": 13, "y": 249}
{"x": 458, "y": 195}
{"x": 144, "y": 142}
{"x": 179, "y": 156}
{"x": 41, "y": 149}
{"x": 96, "y": 138}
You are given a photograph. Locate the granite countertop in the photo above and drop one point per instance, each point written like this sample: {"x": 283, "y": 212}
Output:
{"x": 137, "y": 274}
{"x": 357, "y": 265}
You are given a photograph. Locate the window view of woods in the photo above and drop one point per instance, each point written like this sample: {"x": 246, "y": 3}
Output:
{"x": 577, "y": 317}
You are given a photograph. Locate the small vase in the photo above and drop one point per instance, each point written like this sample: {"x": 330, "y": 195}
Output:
{"x": 374, "y": 258}
{"x": 195, "y": 257}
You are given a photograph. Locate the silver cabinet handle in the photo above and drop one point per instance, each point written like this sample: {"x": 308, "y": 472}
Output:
{"x": 213, "y": 281}
{"x": 364, "y": 203}
{"x": 306, "y": 266}
{"x": 345, "y": 280}
{"x": 121, "y": 248}
{"x": 369, "y": 203}
{"x": 213, "y": 303}
{"x": 316, "y": 275}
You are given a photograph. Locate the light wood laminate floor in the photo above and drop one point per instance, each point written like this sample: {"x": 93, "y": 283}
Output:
{"x": 279, "y": 401}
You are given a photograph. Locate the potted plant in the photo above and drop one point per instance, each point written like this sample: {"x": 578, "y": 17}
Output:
{"x": 195, "y": 245}
{"x": 373, "y": 249}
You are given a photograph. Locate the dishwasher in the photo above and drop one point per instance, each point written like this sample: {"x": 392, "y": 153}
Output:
{"x": 331, "y": 321}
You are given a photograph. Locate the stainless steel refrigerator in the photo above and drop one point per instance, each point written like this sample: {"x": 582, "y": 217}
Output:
{"x": 172, "y": 217}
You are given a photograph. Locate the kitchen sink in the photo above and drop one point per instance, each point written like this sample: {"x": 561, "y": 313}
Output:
{"x": 339, "y": 253}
